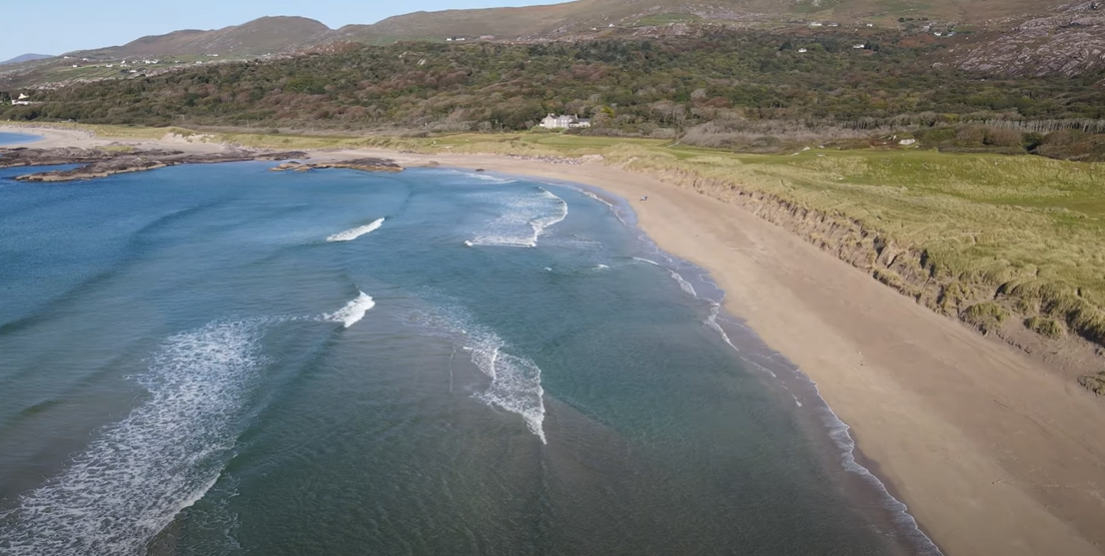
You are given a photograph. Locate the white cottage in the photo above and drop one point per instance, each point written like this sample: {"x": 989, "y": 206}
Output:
{"x": 553, "y": 121}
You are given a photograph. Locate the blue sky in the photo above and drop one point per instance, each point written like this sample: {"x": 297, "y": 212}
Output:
{"x": 68, "y": 25}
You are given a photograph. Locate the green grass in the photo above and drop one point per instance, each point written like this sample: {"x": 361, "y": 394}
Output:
{"x": 1044, "y": 327}
{"x": 1022, "y": 233}
{"x": 988, "y": 316}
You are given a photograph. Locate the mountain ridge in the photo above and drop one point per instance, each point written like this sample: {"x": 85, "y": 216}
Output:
{"x": 272, "y": 34}
{"x": 260, "y": 36}
{"x": 26, "y": 58}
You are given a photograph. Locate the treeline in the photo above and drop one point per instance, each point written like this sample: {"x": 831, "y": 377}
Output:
{"x": 661, "y": 87}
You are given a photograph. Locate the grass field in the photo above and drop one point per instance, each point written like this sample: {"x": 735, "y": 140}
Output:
{"x": 996, "y": 236}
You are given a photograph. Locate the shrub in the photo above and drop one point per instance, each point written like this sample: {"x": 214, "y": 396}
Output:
{"x": 987, "y": 316}
{"x": 1094, "y": 383}
{"x": 1003, "y": 137}
{"x": 1044, "y": 327}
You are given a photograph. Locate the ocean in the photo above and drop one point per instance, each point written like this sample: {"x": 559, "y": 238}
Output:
{"x": 223, "y": 360}
{"x": 11, "y": 139}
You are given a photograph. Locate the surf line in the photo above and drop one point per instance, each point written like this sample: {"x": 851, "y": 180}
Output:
{"x": 837, "y": 429}
{"x": 354, "y": 233}
{"x": 353, "y": 311}
{"x": 538, "y": 212}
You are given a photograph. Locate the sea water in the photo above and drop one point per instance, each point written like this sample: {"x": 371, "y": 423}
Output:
{"x": 224, "y": 360}
{"x": 8, "y": 139}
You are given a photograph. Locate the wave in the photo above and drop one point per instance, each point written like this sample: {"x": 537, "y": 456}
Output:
{"x": 350, "y": 235}
{"x": 515, "y": 380}
{"x": 478, "y": 176}
{"x": 353, "y": 311}
{"x": 138, "y": 474}
{"x": 683, "y": 284}
{"x": 526, "y": 220}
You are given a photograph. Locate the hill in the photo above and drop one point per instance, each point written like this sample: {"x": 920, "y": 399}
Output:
{"x": 25, "y": 58}
{"x": 587, "y": 15}
{"x": 258, "y": 37}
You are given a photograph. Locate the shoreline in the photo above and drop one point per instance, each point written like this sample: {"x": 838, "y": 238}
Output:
{"x": 859, "y": 476}
{"x": 986, "y": 453}
{"x": 991, "y": 453}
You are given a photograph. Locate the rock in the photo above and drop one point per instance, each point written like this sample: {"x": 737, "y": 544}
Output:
{"x": 98, "y": 163}
{"x": 362, "y": 164}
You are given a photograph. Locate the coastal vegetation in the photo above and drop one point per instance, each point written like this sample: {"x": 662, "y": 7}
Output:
{"x": 752, "y": 91}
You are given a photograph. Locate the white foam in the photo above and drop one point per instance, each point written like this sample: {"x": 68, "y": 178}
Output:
{"x": 515, "y": 380}
{"x": 597, "y": 198}
{"x": 653, "y": 263}
{"x": 683, "y": 284}
{"x": 524, "y": 221}
{"x": 353, "y": 311}
{"x": 350, "y": 235}
{"x": 138, "y": 474}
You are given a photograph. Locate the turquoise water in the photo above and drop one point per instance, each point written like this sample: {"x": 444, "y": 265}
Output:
{"x": 222, "y": 360}
{"x": 16, "y": 138}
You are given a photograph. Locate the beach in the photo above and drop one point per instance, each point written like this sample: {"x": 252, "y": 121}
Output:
{"x": 992, "y": 452}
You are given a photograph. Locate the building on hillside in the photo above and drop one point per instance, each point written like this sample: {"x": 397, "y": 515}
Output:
{"x": 553, "y": 121}
{"x": 23, "y": 100}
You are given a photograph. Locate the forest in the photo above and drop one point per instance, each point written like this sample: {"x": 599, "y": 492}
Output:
{"x": 751, "y": 91}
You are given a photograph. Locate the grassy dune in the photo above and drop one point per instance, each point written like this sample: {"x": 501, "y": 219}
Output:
{"x": 994, "y": 240}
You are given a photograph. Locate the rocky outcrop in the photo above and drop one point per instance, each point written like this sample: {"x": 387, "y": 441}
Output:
{"x": 97, "y": 163}
{"x": 362, "y": 164}
{"x": 1070, "y": 43}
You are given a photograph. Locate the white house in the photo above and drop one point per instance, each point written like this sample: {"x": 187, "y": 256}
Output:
{"x": 802, "y": 51}
{"x": 553, "y": 121}
{"x": 859, "y": 46}
{"x": 23, "y": 100}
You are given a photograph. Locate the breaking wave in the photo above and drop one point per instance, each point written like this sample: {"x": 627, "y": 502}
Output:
{"x": 353, "y": 311}
{"x": 350, "y": 235}
{"x": 525, "y": 220}
{"x": 138, "y": 474}
{"x": 515, "y": 380}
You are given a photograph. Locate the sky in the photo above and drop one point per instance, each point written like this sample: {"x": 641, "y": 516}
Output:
{"x": 69, "y": 25}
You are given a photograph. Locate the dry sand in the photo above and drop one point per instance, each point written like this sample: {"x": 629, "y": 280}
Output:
{"x": 72, "y": 137}
{"x": 993, "y": 453}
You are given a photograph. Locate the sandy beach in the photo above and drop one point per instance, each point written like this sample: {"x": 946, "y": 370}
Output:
{"x": 992, "y": 452}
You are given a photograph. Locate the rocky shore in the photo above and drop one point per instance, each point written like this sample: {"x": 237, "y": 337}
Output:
{"x": 363, "y": 164}
{"x": 99, "y": 162}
